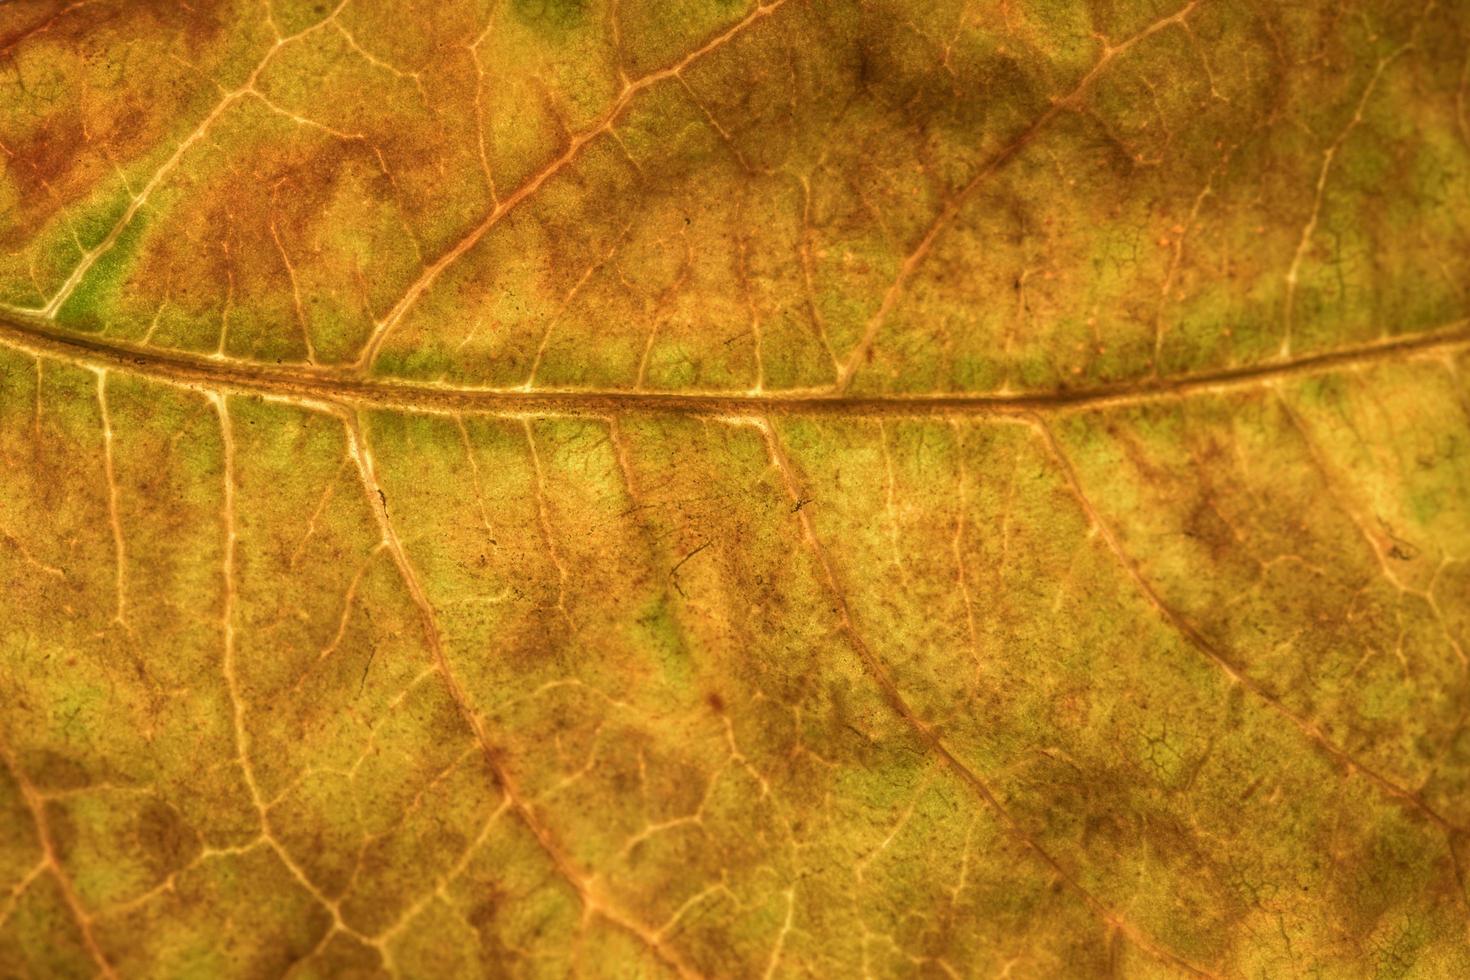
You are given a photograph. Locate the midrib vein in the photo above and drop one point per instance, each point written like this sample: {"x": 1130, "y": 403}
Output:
{"x": 322, "y": 387}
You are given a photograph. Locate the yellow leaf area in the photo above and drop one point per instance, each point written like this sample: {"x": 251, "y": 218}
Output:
{"x": 689, "y": 488}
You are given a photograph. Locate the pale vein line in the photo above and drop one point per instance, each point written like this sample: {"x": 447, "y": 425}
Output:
{"x": 1310, "y": 228}
{"x": 316, "y": 514}
{"x": 11, "y": 901}
{"x": 592, "y": 903}
{"x": 344, "y": 619}
{"x": 138, "y": 200}
{"x": 575, "y": 143}
{"x": 566, "y": 303}
{"x": 291, "y": 277}
{"x": 119, "y": 550}
{"x": 544, "y": 515}
{"x": 1331, "y": 479}
{"x": 752, "y": 314}
{"x": 28, "y": 557}
{"x": 957, "y": 544}
{"x": 876, "y": 669}
{"x": 804, "y": 250}
{"x": 1210, "y": 651}
{"x": 469, "y": 455}
{"x": 232, "y": 685}
{"x": 36, "y": 804}
{"x": 455, "y": 870}
{"x": 895, "y": 529}
{"x": 780, "y": 943}
{"x": 956, "y": 203}
{"x": 227, "y": 613}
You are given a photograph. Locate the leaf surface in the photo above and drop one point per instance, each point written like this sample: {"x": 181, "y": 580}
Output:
{"x": 822, "y": 488}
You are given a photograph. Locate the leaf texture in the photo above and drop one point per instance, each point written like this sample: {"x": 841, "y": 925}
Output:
{"x": 714, "y": 489}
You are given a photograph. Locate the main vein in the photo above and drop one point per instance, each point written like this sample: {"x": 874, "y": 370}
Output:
{"x": 323, "y": 386}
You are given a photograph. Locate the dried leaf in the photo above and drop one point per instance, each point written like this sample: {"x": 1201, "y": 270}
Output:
{"x": 834, "y": 487}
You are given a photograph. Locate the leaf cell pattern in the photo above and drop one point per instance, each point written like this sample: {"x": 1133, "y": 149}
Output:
{"x": 719, "y": 489}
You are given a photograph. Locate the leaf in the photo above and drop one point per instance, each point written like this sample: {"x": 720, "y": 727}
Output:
{"x": 634, "y": 489}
